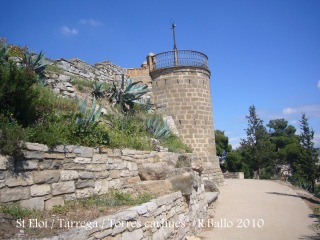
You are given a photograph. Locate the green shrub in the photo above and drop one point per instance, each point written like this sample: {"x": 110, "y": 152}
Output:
{"x": 16, "y": 93}
{"x": 174, "y": 144}
{"x": 95, "y": 135}
{"x": 128, "y": 131}
{"x": 12, "y": 136}
{"x": 17, "y": 51}
{"x": 51, "y": 130}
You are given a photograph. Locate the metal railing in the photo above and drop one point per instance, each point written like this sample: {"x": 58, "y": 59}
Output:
{"x": 179, "y": 58}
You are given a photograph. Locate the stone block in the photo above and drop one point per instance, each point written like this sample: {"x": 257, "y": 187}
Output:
{"x": 84, "y": 151}
{"x": 53, "y": 155}
{"x": 86, "y": 175}
{"x": 114, "y": 174}
{"x": 74, "y": 166}
{"x": 62, "y": 188}
{"x": 47, "y": 176}
{"x": 27, "y": 165}
{"x": 104, "y": 174}
{"x": 70, "y": 197}
{"x": 133, "y": 180}
{"x": 84, "y": 193}
{"x": 101, "y": 187}
{"x": 23, "y": 179}
{"x": 55, "y": 201}
{"x": 50, "y": 164}
{"x": 63, "y": 149}
{"x": 33, "y": 203}
{"x": 36, "y": 147}
{"x": 33, "y": 154}
{"x": 126, "y": 152}
{"x": 153, "y": 171}
{"x": 85, "y": 184}
{"x": 96, "y": 167}
{"x": 67, "y": 175}
{"x": 4, "y": 164}
{"x": 183, "y": 182}
{"x": 132, "y": 166}
{"x": 14, "y": 194}
{"x": 82, "y": 160}
{"x": 40, "y": 190}
{"x": 100, "y": 158}
{"x": 2, "y": 175}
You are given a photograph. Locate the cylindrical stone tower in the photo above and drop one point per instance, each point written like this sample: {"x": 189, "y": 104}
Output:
{"x": 181, "y": 87}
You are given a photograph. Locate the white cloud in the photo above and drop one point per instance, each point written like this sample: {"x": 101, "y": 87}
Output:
{"x": 318, "y": 85}
{"x": 235, "y": 141}
{"x": 91, "y": 22}
{"x": 316, "y": 140}
{"x": 69, "y": 31}
{"x": 289, "y": 110}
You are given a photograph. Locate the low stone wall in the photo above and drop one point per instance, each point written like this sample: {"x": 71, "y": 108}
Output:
{"x": 233, "y": 175}
{"x": 167, "y": 217}
{"x": 47, "y": 177}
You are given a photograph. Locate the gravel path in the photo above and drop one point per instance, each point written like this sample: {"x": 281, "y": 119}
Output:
{"x": 258, "y": 210}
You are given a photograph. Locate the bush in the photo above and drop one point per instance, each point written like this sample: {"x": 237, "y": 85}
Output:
{"x": 12, "y": 136}
{"x": 174, "y": 144}
{"x": 51, "y": 130}
{"x": 128, "y": 131}
{"x": 16, "y": 94}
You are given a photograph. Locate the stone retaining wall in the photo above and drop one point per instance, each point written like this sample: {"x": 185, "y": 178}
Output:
{"x": 167, "y": 217}
{"x": 233, "y": 175}
{"x": 67, "y": 70}
{"x": 47, "y": 177}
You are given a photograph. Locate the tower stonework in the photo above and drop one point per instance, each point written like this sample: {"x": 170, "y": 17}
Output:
{"x": 181, "y": 88}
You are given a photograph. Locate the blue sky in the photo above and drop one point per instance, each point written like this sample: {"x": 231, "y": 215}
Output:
{"x": 261, "y": 52}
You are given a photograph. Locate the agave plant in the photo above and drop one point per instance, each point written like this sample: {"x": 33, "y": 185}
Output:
{"x": 36, "y": 63}
{"x": 158, "y": 127}
{"x": 128, "y": 94}
{"x": 84, "y": 119}
{"x": 97, "y": 89}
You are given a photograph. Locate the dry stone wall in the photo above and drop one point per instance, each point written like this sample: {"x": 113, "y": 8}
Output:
{"x": 60, "y": 80}
{"x": 167, "y": 217}
{"x": 48, "y": 177}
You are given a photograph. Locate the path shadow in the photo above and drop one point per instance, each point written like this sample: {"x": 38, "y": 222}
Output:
{"x": 311, "y": 200}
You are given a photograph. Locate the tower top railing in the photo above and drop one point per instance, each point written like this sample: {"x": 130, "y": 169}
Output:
{"x": 177, "y": 58}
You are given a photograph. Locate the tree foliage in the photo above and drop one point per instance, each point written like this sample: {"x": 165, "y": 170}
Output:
{"x": 222, "y": 143}
{"x": 257, "y": 149}
{"x": 262, "y": 151}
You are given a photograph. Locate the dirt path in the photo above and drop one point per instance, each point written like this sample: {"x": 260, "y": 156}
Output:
{"x": 258, "y": 210}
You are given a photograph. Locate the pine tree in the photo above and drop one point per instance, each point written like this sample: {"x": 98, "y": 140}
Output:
{"x": 256, "y": 149}
{"x": 308, "y": 158}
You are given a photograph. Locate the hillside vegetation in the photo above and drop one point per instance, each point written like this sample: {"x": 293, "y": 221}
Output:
{"x": 30, "y": 111}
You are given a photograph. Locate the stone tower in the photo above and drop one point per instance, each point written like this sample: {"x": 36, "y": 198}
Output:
{"x": 181, "y": 88}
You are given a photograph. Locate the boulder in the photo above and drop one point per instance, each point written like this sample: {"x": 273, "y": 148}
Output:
{"x": 153, "y": 171}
